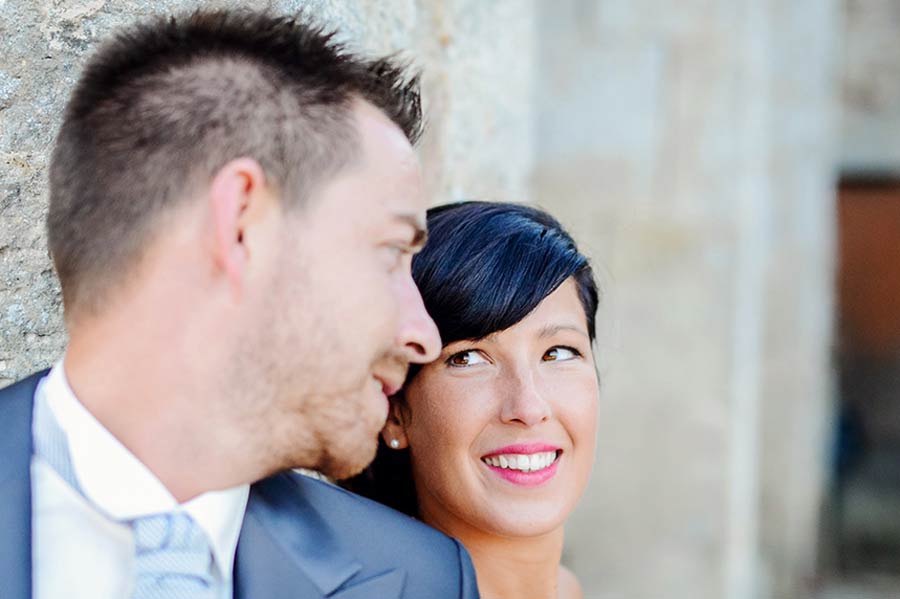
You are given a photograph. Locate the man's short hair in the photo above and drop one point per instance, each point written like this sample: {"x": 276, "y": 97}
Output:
{"x": 165, "y": 104}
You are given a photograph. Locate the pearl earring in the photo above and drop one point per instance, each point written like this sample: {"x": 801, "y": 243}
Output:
{"x": 395, "y": 444}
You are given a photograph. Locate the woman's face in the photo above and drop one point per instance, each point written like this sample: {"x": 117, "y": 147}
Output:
{"x": 501, "y": 431}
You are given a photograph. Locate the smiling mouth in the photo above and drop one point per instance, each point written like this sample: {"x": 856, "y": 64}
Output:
{"x": 523, "y": 462}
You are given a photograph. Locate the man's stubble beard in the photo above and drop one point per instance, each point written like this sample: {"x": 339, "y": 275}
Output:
{"x": 339, "y": 436}
{"x": 292, "y": 422}
{"x": 347, "y": 443}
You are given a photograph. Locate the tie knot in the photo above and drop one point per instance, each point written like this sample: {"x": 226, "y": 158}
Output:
{"x": 163, "y": 532}
{"x": 173, "y": 557}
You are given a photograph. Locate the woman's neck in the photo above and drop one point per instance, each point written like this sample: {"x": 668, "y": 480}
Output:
{"x": 512, "y": 567}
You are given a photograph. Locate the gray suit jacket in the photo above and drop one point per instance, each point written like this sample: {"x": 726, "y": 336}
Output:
{"x": 301, "y": 538}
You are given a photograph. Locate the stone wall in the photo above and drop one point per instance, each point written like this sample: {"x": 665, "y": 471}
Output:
{"x": 691, "y": 146}
{"x": 478, "y": 95}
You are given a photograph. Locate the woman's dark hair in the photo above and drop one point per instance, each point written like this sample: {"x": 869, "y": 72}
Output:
{"x": 486, "y": 266}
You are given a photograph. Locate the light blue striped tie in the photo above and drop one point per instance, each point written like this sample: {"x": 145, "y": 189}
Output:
{"x": 173, "y": 559}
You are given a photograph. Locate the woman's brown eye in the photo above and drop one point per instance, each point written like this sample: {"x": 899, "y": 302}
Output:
{"x": 560, "y": 354}
{"x": 466, "y": 358}
{"x": 460, "y": 359}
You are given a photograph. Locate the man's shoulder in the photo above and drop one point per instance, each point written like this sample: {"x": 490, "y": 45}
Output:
{"x": 377, "y": 524}
{"x": 332, "y": 533}
{"x": 23, "y": 388}
{"x": 321, "y": 521}
{"x": 16, "y": 402}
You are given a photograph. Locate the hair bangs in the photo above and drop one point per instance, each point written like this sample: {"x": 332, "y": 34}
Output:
{"x": 497, "y": 263}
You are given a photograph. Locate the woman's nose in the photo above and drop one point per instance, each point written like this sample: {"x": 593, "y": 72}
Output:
{"x": 524, "y": 401}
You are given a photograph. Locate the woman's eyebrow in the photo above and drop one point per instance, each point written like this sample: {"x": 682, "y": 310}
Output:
{"x": 552, "y": 329}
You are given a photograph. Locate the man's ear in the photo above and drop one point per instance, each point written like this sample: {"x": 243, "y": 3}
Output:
{"x": 232, "y": 192}
{"x": 394, "y": 431}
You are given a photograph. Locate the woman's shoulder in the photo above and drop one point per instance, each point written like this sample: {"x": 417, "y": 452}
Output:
{"x": 569, "y": 587}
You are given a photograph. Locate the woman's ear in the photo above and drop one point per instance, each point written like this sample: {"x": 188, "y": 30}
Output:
{"x": 394, "y": 431}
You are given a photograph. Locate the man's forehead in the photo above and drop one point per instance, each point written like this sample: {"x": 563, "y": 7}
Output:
{"x": 375, "y": 126}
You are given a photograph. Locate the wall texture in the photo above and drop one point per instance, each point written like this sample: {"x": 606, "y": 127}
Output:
{"x": 478, "y": 94}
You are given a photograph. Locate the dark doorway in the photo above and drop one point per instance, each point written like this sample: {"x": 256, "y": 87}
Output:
{"x": 865, "y": 514}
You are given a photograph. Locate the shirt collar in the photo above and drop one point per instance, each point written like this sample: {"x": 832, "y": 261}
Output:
{"x": 121, "y": 486}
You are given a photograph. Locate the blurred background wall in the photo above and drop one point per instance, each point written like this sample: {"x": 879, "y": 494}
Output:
{"x": 692, "y": 145}
{"x": 732, "y": 168}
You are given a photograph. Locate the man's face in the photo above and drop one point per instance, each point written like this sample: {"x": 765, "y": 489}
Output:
{"x": 341, "y": 317}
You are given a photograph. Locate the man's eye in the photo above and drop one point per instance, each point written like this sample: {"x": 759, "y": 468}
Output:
{"x": 466, "y": 358}
{"x": 560, "y": 354}
{"x": 395, "y": 255}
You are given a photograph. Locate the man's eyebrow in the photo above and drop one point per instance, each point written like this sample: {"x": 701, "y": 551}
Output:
{"x": 552, "y": 329}
{"x": 420, "y": 235}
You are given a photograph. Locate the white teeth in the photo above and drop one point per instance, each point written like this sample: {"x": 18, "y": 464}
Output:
{"x": 521, "y": 462}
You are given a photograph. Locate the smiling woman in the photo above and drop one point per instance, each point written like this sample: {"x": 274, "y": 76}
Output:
{"x": 493, "y": 442}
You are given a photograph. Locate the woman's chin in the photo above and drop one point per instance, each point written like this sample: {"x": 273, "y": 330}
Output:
{"x": 526, "y": 518}
{"x": 530, "y": 529}
{"x": 525, "y": 504}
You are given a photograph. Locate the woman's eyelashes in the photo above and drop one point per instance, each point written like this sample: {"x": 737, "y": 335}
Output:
{"x": 473, "y": 357}
{"x": 561, "y": 353}
{"x": 464, "y": 358}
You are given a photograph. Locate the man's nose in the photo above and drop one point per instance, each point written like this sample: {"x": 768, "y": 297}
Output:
{"x": 419, "y": 336}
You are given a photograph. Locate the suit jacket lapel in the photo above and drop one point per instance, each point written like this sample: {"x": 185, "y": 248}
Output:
{"x": 287, "y": 550}
{"x": 386, "y": 585}
{"x": 16, "y": 406}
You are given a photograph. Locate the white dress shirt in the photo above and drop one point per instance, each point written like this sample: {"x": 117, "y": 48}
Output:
{"x": 82, "y": 547}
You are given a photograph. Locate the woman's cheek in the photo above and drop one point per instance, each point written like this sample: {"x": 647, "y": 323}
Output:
{"x": 577, "y": 408}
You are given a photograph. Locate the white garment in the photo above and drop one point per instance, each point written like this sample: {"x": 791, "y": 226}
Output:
{"x": 81, "y": 547}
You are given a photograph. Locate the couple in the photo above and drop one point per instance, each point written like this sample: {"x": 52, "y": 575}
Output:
{"x": 234, "y": 209}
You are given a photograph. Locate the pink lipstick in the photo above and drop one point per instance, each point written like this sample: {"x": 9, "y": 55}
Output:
{"x": 524, "y": 464}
